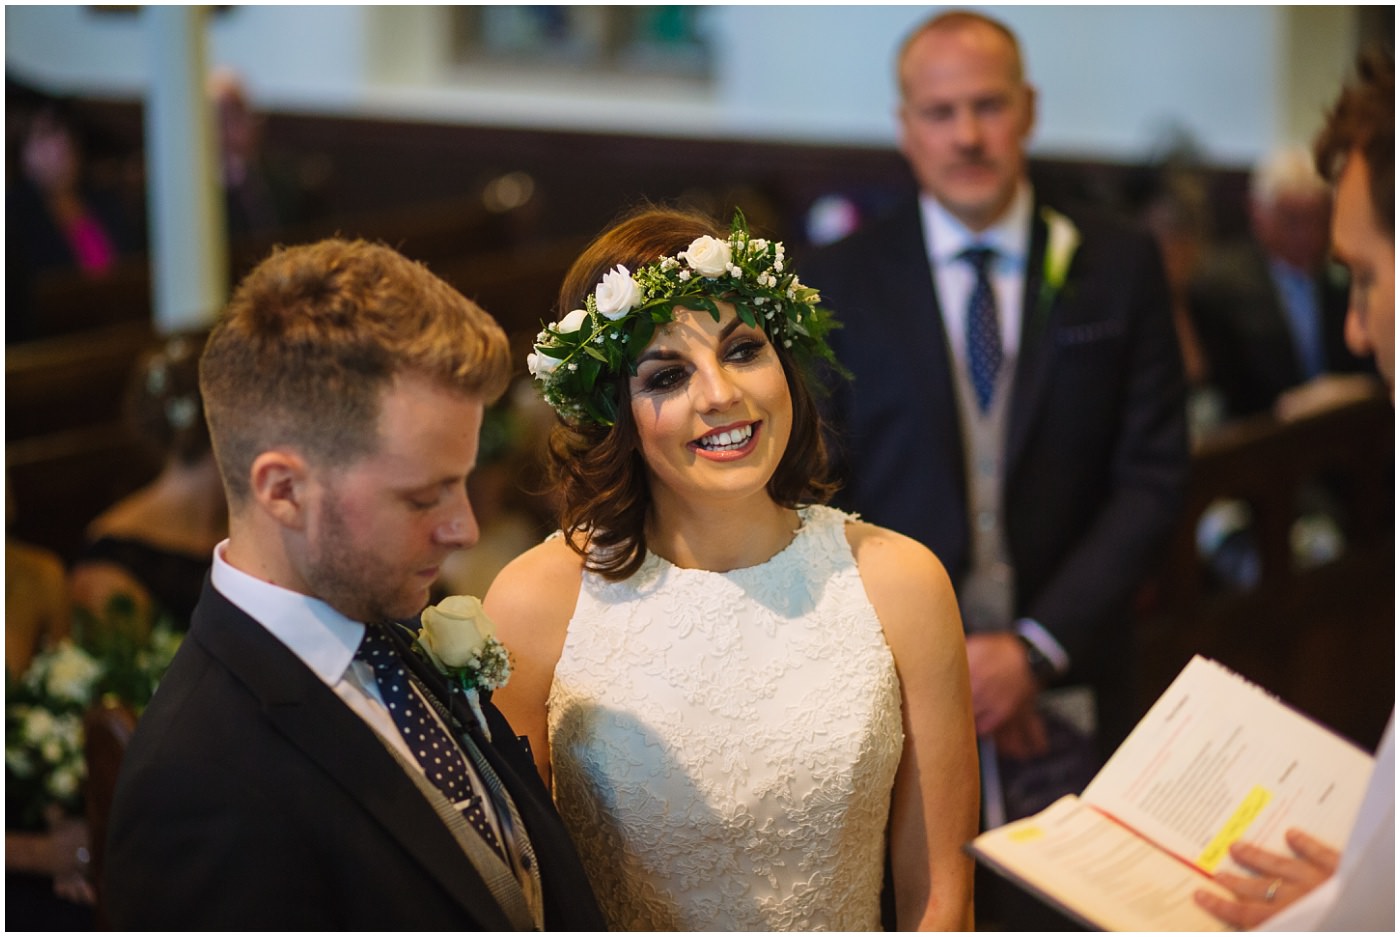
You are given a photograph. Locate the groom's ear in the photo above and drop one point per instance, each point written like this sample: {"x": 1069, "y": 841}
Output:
{"x": 281, "y": 483}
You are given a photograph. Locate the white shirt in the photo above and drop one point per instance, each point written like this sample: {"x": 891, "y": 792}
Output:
{"x": 1360, "y": 896}
{"x": 947, "y": 237}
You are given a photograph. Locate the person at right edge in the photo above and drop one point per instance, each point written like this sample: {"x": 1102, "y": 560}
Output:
{"x": 1018, "y": 406}
{"x": 300, "y": 768}
{"x": 1317, "y": 888}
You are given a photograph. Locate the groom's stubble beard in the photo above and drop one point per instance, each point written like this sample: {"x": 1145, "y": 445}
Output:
{"x": 359, "y": 583}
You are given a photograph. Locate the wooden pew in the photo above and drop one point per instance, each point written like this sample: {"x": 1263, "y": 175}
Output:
{"x": 65, "y": 302}
{"x": 68, "y": 453}
{"x": 518, "y": 287}
{"x": 1321, "y": 638}
{"x": 61, "y": 481}
{"x": 71, "y": 381}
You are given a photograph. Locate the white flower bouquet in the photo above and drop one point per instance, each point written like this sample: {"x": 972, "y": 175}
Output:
{"x": 44, "y": 708}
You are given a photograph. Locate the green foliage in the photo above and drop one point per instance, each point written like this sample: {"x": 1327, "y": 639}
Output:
{"x": 122, "y": 655}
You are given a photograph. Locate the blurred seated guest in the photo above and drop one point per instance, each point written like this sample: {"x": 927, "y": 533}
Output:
{"x": 261, "y": 192}
{"x": 45, "y": 883}
{"x": 1269, "y": 309}
{"x": 1173, "y": 205}
{"x": 156, "y": 544}
{"x": 37, "y": 612}
{"x": 54, "y": 216}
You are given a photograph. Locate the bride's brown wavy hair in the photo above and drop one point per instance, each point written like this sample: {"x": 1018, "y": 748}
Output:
{"x": 598, "y": 472}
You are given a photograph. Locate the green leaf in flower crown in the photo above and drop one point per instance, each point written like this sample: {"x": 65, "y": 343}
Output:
{"x": 589, "y": 368}
{"x": 600, "y": 409}
{"x": 639, "y": 336}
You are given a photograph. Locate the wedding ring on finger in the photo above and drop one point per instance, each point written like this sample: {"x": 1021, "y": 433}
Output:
{"x": 1273, "y": 889}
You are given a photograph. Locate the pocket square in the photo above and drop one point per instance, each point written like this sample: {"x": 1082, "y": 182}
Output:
{"x": 1083, "y": 334}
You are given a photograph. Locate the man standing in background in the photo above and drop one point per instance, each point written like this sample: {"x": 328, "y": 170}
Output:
{"x": 1018, "y": 405}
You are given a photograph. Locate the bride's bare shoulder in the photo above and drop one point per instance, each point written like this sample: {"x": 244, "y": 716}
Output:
{"x": 903, "y": 578}
{"x": 539, "y": 586}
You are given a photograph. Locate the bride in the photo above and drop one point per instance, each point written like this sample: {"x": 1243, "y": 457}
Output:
{"x": 744, "y": 700}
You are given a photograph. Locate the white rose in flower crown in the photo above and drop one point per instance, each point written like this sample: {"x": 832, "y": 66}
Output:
{"x": 572, "y": 322}
{"x": 541, "y": 365}
{"x": 455, "y": 631}
{"x": 708, "y": 256}
{"x": 617, "y": 293}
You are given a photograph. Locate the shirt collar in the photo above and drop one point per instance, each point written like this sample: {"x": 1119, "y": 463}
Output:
{"x": 947, "y": 237}
{"x": 321, "y": 637}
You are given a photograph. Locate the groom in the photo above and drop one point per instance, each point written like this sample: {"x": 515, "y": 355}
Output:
{"x": 268, "y": 786}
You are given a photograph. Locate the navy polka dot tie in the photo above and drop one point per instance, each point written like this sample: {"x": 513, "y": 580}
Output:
{"x": 438, "y": 755}
{"x": 983, "y": 328}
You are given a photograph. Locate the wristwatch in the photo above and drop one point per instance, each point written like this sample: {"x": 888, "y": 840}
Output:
{"x": 1042, "y": 667}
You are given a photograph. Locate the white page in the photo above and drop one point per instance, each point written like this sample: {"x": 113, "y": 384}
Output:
{"x": 1217, "y": 759}
{"x": 1100, "y": 871}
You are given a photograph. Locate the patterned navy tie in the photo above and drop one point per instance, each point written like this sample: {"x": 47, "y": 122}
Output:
{"x": 983, "y": 327}
{"x": 438, "y": 755}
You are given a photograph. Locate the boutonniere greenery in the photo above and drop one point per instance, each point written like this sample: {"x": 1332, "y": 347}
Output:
{"x": 458, "y": 638}
{"x": 1061, "y": 241}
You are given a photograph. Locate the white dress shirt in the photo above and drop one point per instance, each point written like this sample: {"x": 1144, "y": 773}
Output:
{"x": 1360, "y": 896}
{"x": 954, "y": 279}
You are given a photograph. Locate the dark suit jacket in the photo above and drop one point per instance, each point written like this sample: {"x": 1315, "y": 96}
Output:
{"x": 1096, "y": 454}
{"x": 253, "y": 798}
{"x": 1245, "y": 334}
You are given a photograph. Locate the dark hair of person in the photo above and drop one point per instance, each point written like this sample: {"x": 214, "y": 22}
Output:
{"x": 598, "y": 472}
{"x": 316, "y": 334}
{"x": 163, "y": 402}
{"x": 1363, "y": 120}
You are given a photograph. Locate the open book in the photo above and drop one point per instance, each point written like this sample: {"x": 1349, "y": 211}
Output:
{"x": 1216, "y": 759}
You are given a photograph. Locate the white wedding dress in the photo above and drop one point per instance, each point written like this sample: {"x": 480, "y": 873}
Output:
{"x": 724, "y": 744}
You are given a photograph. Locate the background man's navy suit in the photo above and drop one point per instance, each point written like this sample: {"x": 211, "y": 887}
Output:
{"x": 1096, "y": 450}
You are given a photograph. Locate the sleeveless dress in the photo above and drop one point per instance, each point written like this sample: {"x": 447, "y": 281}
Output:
{"x": 724, "y": 744}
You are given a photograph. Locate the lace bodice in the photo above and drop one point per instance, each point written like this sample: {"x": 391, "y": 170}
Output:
{"x": 724, "y": 744}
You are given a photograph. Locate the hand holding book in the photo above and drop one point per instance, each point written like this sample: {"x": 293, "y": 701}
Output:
{"x": 1215, "y": 763}
{"x": 1277, "y": 880}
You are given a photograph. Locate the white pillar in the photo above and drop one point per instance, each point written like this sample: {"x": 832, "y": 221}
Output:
{"x": 189, "y": 243}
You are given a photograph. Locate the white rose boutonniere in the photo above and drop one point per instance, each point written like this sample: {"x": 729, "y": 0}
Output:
{"x": 459, "y": 640}
{"x": 1061, "y": 241}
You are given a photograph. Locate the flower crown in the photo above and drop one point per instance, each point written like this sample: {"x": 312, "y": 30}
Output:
{"x": 575, "y": 356}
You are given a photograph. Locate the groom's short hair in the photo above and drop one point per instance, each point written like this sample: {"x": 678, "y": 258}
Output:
{"x": 316, "y": 334}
